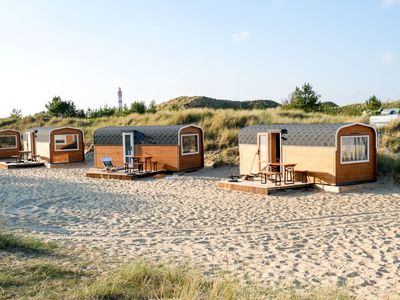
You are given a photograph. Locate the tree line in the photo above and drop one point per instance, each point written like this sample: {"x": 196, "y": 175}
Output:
{"x": 303, "y": 98}
{"x": 66, "y": 108}
{"x": 306, "y": 99}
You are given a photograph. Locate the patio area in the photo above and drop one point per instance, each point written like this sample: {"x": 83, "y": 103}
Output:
{"x": 12, "y": 164}
{"x": 256, "y": 187}
{"x": 119, "y": 174}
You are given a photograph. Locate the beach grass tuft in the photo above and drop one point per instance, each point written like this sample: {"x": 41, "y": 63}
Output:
{"x": 14, "y": 243}
{"x": 61, "y": 275}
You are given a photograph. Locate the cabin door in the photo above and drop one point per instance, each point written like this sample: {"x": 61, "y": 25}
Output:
{"x": 269, "y": 148}
{"x": 127, "y": 140}
{"x": 263, "y": 150}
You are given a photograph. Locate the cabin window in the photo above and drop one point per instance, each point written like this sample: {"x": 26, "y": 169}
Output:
{"x": 66, "y": 142}
{"x": 354, "y": 149}
{"x": 189, "y": 144}
{"x": 8, "y": 142}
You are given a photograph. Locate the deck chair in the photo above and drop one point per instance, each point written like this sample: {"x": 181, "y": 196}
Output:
{"x": 108, "y": 164}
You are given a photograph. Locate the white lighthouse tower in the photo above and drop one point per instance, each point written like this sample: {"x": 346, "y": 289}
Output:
{"x": 119, "y": 99}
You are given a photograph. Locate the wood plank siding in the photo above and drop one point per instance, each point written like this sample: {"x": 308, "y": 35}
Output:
{"x": 168, "y": 157}
{"x": 192, "y": 161}
{"x": 318, "y": 161}
{"x": 323, "y": 163}
{"x": 356, "y": 172}
{"x": 165, "y": 155}
{"x": 7, "y": 153}
{"x": 248, "y": 159}
{"x": 67, "y": 156}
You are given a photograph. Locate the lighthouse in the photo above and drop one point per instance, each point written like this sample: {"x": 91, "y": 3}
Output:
{"x": 119, "y": 99}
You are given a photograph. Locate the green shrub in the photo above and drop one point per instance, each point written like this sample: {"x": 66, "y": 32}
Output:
{"x": 388, "y": 165}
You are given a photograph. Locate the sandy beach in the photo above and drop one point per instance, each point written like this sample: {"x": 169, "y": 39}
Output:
{"x": 302, "y": 237}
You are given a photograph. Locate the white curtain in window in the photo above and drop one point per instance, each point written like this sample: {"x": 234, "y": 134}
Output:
{"x": 354, "y": 148}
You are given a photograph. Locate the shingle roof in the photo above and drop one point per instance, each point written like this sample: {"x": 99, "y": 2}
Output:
{"x": 151, "y": 135}
{"x": 298, "y": 134}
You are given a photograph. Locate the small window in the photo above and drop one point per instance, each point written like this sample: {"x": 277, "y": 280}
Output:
{"x": 66, "y": 142}
{"x": 354, "y": 149}
{"x": 190, "y": 144}
{"x": 8, "y": 142}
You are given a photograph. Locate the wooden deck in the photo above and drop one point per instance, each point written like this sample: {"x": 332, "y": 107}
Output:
{"x": 121, "y": 175}
{"x": 12, "y": 165}
{"x": 257, "y": 187}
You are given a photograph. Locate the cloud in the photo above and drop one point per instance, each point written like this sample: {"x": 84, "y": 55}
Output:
{"x": 388, "y": 58}
{"x": 389, "y": 2}
{"x": 241, "y": 36}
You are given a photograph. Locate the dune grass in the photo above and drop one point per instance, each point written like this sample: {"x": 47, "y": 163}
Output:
{"x": 55, "y": 274}
{"x": 12, "y": 243}
{"x": 389, "y": 165}
{"x": 32, "y": 268}
{"x": 221, "y": 126}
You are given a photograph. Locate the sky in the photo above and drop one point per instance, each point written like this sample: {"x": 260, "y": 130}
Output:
{"x": 83, "y": 51}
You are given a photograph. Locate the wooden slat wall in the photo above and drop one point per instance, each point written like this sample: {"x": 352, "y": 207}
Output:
{"x": 358, "y": 171}
{"x": 7, "y": 153}
{"x": 115, "y": 152}
{"x": 318, "y": 161}
{"x": 166, "y": 156}
{"x": 248, "y": 159}
{"x": 67, "y": 156}
{"x": 193, "y": 161}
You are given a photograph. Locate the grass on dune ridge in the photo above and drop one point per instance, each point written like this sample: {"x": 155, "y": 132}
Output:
{"x": 35, "y": 269}
{"x": 221, "y": 126}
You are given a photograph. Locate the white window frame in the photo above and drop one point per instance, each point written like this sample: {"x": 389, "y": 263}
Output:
{"x": 65, "y": 142}
{"x": 16, "y": 142}
{"x": 132, "y": 140}
{"x": 198, "y": 143}
{"x": 355, "y": 161}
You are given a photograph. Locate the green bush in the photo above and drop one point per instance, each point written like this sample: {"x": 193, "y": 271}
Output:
{"x": 389, "y": 165}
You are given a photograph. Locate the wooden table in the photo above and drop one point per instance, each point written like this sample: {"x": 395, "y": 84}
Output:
{"x": 138, "y": 159}
{"x": 288, "y": 171}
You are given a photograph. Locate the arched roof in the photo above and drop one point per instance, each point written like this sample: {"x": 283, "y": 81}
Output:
{"x": 43, "y": 133}
{"x": 150, "y": 135}
{"x": 297, "y": 134}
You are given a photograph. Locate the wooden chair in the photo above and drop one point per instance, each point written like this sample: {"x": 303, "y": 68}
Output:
{"x": 138, "y": 165}
{"x": 289, "y": 175}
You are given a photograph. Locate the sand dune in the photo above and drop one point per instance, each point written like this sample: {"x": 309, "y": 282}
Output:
{"x": 296, "y": 237}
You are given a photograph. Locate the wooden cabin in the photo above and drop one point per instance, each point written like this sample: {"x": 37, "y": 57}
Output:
{"x": 333, "y": 154}
{"x": 56, "y": 145}
{"x": 10, "y": 143}
{"x": 174, "y": 148}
